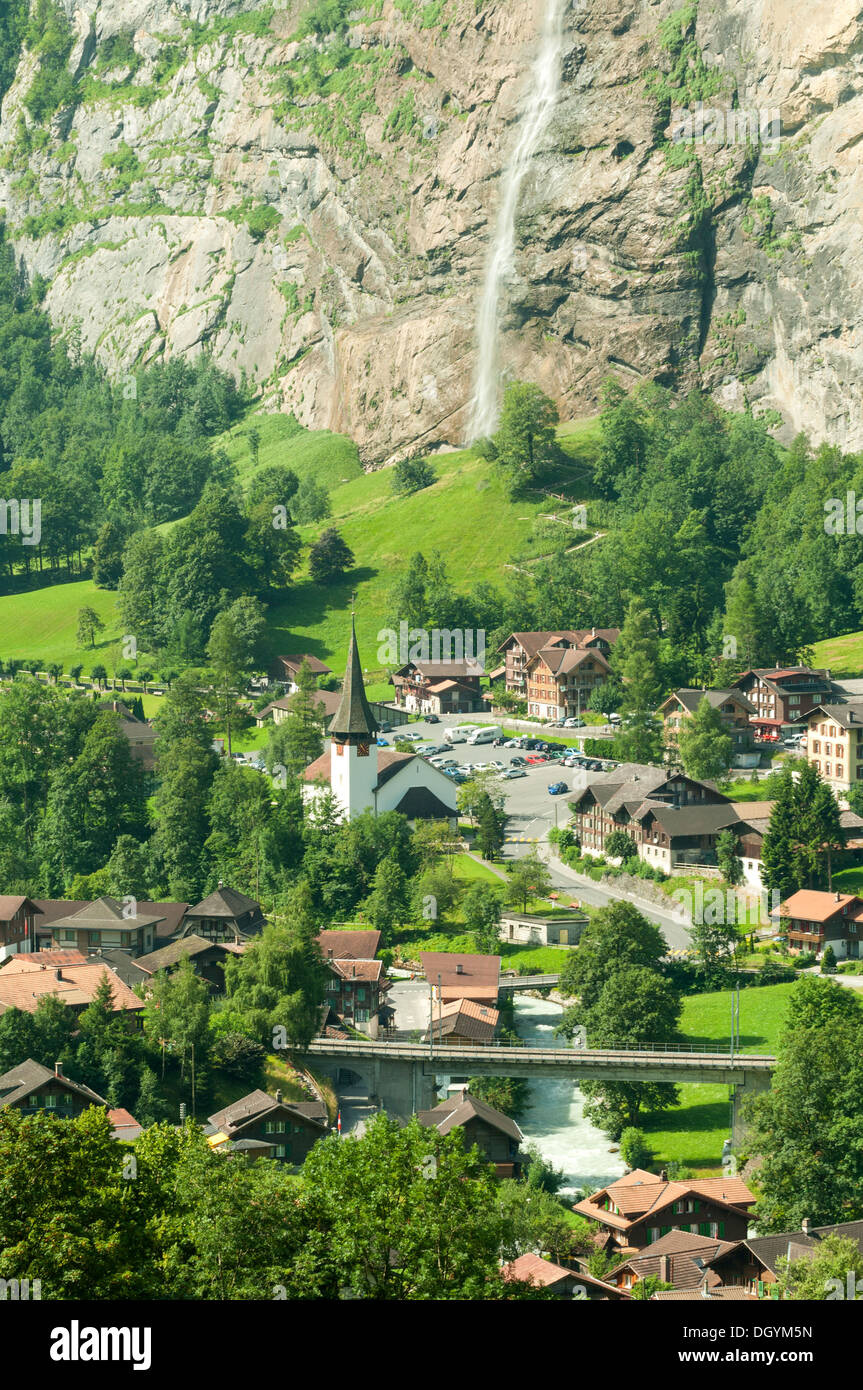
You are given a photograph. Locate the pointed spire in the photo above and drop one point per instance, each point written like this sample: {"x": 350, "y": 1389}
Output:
{"x": 353, "y": 716}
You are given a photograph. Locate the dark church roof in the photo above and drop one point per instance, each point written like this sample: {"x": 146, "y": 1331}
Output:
{"x": 353, "y": 715}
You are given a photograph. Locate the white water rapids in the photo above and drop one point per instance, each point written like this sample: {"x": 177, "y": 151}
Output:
{"x": 544, "y": 88}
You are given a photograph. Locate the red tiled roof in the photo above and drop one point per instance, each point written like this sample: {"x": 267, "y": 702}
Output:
{"x": 22, "y": 985}
{"x": 809, "y": 904}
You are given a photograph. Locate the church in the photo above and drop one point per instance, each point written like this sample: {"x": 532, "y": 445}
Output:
{"x": 364, "y": 777}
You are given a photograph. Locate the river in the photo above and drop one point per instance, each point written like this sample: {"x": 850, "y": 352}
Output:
{"x": 555, "y": 1121}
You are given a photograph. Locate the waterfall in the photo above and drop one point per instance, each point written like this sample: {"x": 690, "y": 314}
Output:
{"x": 544, "y": 87}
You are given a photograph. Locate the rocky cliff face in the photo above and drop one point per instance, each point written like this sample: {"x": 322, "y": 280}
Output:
{"x": 317, "y": 211}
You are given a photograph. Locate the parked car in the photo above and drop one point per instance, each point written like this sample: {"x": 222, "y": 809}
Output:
{"x": 512, "y": 743}
{"x": 385, "y": 728}
{"x": 382, "y": 743}
{"x": 455, "y": 737}
{"x": 573, "y": 723}
{"x": 595, "y": 765}
{"x": 454, "y": 773}
{"x": 432, "y": 719}
{"x": 411, "y": 736}
{"x": 516, "y": 762}
{"x": 535, "y": 758}
{"x": 497, "y": 765}
{"x": 614, "y": 719}
{"x": 513, "y": 772}
{"x": 555, "y": 788}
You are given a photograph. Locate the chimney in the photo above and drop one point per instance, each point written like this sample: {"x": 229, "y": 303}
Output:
{"x": 459, "y": 968}
{"x": 663, "y": 1176}
{"x": 58, "y": 973}
{"x": 278, "y": 1097}
{"x": 806, "y": 1226}
{"x": 664, "y": 1269}
{"x": 838, "y": 897}
{"x": 329, "y": 952}
{"x": 58, "y": 1068}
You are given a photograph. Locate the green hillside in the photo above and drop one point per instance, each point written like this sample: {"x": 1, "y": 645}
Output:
{"x": 465, "y": 514}
{"x": 842, "y": 655}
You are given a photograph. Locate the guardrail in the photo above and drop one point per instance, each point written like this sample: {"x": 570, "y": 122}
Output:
{"x": 671, "y": 1052}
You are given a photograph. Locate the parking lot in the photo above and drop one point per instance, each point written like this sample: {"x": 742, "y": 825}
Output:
{"x": 529, "y": 806}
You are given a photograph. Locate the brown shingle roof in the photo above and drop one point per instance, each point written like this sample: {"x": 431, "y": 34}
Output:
{"x": 347, "y": 945}
{"x": 17, "y": 1083}
{"x": 22, "y": 985}
{"x": 462, "y": 1108}
{"x": 257, "y": 1104}
{"x": 478, "y": 978}
{"x": 465, "y": 1018}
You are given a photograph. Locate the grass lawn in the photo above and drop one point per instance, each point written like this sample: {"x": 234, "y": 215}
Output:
{"x": 693, "y": 1132}
{"x": 744, "y": 790}
{"x": 706, "y": 1018}
{"x": 42, "y": 625}
{"x": 468, "y": 870}
{"x": 843, "y": 655}
{"x": 849, "y": 880}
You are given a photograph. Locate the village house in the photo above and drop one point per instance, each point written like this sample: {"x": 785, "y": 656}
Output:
{"x": 224, "y": 915}
{"x": 356, "y": 989}
{"x": 618, "y": 800}
{"x": 439, "y": 687}
{"x": 17, "y": 925}
{"x": 781, "y": 695}
{"x": 168, "y": 916}
{"x": 679, "y": 1258}
{"x": 813, "y": 920}
{"x": 560, "y": 679}
{"x": 363, "y": 777}
{"x": 268, "y": 1126}
{"x": 564, "y": 1283}
{"x": 107, "y": 924}
{"x": 287, "y": 668}
{"x": 641, "y": 1207}
{"x": 23, "y": 982}
{"x": 462, "y": 1021}
{"x": 834, "y": 743}
{"x": 521, "y": 648}
{"x": 495, "y": 1134}
{"x": 207, "y": 958}
{"x": 752, "y": 1264}
{"x": 454, "y": 976}
{"x": 735, "y": 711}
{"x": 277, "y": 711}
{"x": 30, "y": 1087}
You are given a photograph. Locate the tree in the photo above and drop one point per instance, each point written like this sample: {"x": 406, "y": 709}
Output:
{"x": 278, "y": 982}
{"x": 480, "y": 909}
{"x": 620, "y": 845}
{"x": 298, "y": 739}
{"x": 408, "y": 1213}
{"x": 636, "y": 659}
{"x": 635, "y": 1006}
{"x": 525, "y": 439}
{"x": 311, "y": 503}
{"x": 388, "y": 903}
{"x": 534, "y": 1220}
{"x": 728, "y": 857}
{"x": 412, "y": 475}
{"x": 528, "y": 878}
{"x": 108, "y": 555}
{"x": 617, "y": 936}
{"x": 89, "y": 626}
{"x": 329, "y": 557}
{"x": 228, "y": 655}
{"x": 177, "y": 1013}
{"x": 828, "y": 1272}
{"x": 779, "y": 866}
{"x": 713, "y": 943}
{"x": 703, "y": 744}
{"x": 633, "y": 1148}
{"x": 490, "y": 835}
{"x": 828, "y": 961}
{"x": 809, "y": 1126}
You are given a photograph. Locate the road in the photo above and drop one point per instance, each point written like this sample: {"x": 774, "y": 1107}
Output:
{"x": 532, "y": 812}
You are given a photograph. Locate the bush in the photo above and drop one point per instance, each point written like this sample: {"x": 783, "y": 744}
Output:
{"x": 771, "y": 972}
{"x": 238, "y": 1056}
{"x": 828, "y": 961}
{"x": 633, "y": 1148}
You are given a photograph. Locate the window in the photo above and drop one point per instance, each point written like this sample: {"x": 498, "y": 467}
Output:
{"x": 652, "y": 1234}
{"x": 50, "y": 1102}
{"x": 281, "y": 1151}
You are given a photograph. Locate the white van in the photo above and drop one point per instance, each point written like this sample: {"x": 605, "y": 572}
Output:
{"x": 485, "y": 735}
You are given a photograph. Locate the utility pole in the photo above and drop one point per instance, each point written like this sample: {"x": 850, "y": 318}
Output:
{"x": 440, "y": 1010}
{"x": 431, "y": 1020}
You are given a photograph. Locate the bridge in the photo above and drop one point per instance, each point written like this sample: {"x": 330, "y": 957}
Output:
{"x": 403, "y": 1075}
{"x": 513, "y": 982}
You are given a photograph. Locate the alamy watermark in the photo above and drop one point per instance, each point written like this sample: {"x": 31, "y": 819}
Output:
{"x": 430, "y": 645}
{"x": 21, "y": 518}
{"x": 843, "y": 516}
{"x": 726, "y": 906}
{"x": 715, "y": 125}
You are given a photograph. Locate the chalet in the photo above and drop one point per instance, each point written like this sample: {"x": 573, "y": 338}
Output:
{"x": 207, "y": 958}
{"x": 107, "y": 923}
{"x": 17, "y": 925}
{"x": 782, "y": 694}
{"x": 735, "y": 711}
{"x": 225, "y": 915}
{"x": 641, "y": 1207}
{"x": 30, "y": 1087}
{"x": 521, "y": 648}
{"x": 462, "y": 1021}
{"x": 834, "y": 743}
{"x": 286, "y": 1129}
{"x": 752, "y": 1264}
{"x": 618, "y": 800}
{"x": 564, "y": 1283}
{"x": 363, "y": 777}
{"x": 680, "y": 1258}
{"x": 454, "y": 976}
{"x": 496, "y": 1135}
{"x": 439, "y": 687}
{"x": 168, "y": 916}
{"x": 287, "y": 668}
{"x": 23, "y": 982}
{"x": 277, "y": 711}
{"x": 813, "y": 920}
{"x": 561, "y": 678}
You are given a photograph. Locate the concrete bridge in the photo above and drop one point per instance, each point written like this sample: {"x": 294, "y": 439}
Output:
{"x": 402, "y": 1075}
{"x": 514, "y": 982}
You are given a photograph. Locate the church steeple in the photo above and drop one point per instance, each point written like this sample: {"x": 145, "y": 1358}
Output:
{"x": 353, "y": 721}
